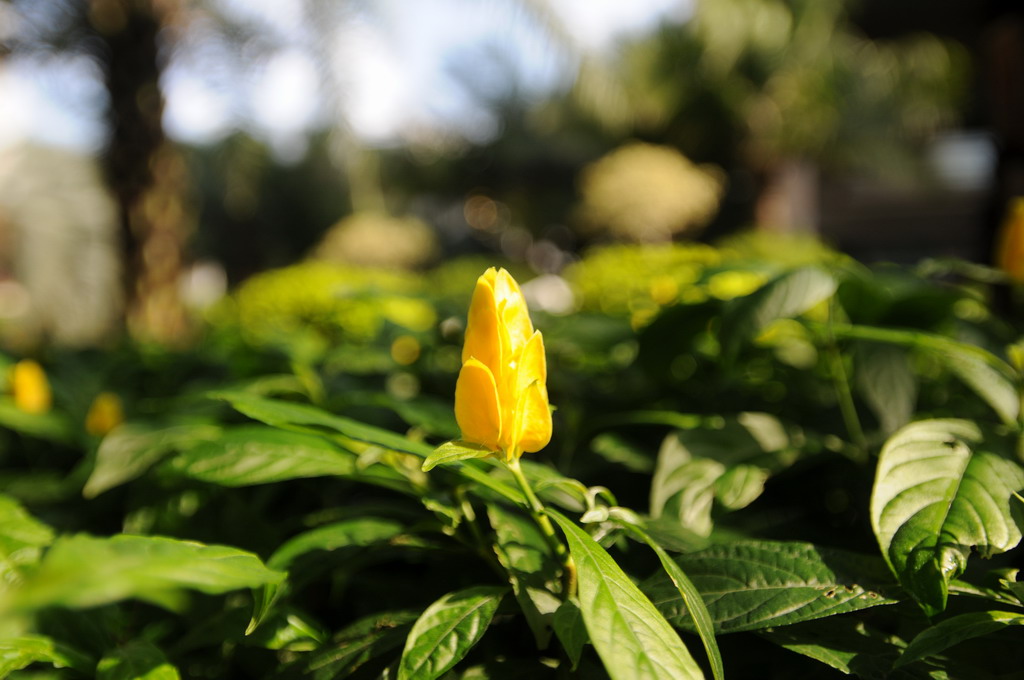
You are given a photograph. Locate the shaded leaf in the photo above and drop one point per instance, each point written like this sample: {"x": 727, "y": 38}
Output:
{"x": 358, "y": 643}
{"x": 884, "y": 378}
{"x": 22, "y": 537}
{"x": 752, "y": 585}
{"x": 941, "y": 488}
{"x": 136, "y": 661}
{"x": 632, "y": 638}
{"x": 570, "y": 629}
{"x": 51, "y": 426}
{"x": 533, "y": 572}
{"x": 447, "y": 630}
{"x": 954, "y": 630}
{"x": 842, "y": 642}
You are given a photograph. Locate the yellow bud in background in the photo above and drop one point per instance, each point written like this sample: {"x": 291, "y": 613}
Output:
{"x": 405, "y": 350}
{"x": 105, "y": 413}
{"x": 501, "y": 397}
{"x": 30, "y": 387}
{"x": 1010, "y": 252}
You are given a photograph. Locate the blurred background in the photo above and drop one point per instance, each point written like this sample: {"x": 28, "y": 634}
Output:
{"x": 165, "y": 163}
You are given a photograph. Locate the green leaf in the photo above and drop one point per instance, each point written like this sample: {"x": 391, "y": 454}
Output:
{"x": 955, "y": 630}
{"x": 256, "y": 454}
{"x": 990, "y": 377}
{"x": 452, "y": 452}
{"x": 22, "y": 538}
{"x": 615, "y": 449}
{"x": 136, "y": 661}
{"x": 447, "y": 630}
{"x": 51, "y": 426}
{"x": 352, "y": 647}
{"x": 353, "y": 532}
{"x": 751, "y": 585}
{"x": 570, "y": 629}
{"x": 132, "y": 448}
{"x": 842, "y": 642}
{"x": 788, "y": 295}
{"x": 632, "y": 638}
{"x": 19, "y": 652}
{"x": 305, "y": 418}
{"x": 887, "y": 383}
{"x": 691, "y": 597}
{"x": 84, "y": 571}
{"x": 357, "y": 531}
{"x": 727, "y": 459}
{"x": 941, "y": 487}
{"x": 533, "y": 571}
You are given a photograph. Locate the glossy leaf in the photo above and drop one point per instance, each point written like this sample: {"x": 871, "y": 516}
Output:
{"x": 452, "y": 452}
{"x": 694, "y": 603}
{"x": 307, "y": 418}
{"x": 941, "y": 488}
{"x": 632, "y": 638}
{"x": 446, "y": 631}
{"x": 136, "y": 661}
{"x": 131, "y": 449}
{"x": 753, "y": 585}
{"x": 256, "y": 454}
{"x": 884, "y": 378}
{"x": 85, "y": 571}
{"x": 954, "y": 630}
{"x": 357, "y": 531}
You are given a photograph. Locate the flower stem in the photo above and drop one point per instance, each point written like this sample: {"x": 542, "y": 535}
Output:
{"x": 546, "y": 528}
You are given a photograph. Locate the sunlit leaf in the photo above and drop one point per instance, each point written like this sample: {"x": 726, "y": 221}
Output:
{"x": 694, "y": 603}
{"x": 753, "y": 585}
{"x": 132, "y": 448}
{"x": 256, "y": 454}
{"x": 18, "y": 652}
{"x": 22, "y": 537}
{"x": 632, "y": 638}
{"x": 447, "y": 630}
{"x": 452, "y": 452}
{"x": 941, "y": 488}
{"x": 85, "y": 571}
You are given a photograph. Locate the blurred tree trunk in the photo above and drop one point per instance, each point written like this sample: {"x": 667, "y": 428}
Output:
{"x": 146, "y": 172}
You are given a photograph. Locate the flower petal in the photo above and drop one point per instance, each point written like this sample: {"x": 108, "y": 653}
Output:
{"x": 533, "y": 419}
{"x": 476, "y": 405}
{"x": 512, "y": 306}
{"x": 532, "y": 364}
{"x": 482, "y": 335}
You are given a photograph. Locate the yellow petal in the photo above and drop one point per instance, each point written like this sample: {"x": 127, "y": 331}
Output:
{"x": 482, "y": 335}
{"x": 533, "y": 419}
{"x": 512, "y": 306}
{"x": 476, "y": 405}
{"x": 533, "y": 365}
{"x": 30, "y": 387}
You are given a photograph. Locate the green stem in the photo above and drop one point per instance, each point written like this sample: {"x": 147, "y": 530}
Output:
{"x": 841, "y": 382}
{"x": 546, "y": 528}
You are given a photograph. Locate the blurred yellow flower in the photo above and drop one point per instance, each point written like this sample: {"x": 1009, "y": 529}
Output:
{"x": 734, "y": 283}
{"x": 501, "y": 397}
{"x": 405, "y": 350}
{"x": 1010, "y": 253}
{"x": 30, "y": 387}
{"x": 105, "y": 413}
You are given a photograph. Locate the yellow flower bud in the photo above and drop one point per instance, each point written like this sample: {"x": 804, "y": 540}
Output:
{"x": 1010, "y": 253}
{"x": 501, "y": 397}
{"x": 105, "y": 413}
{"x": 30, "y": 387}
